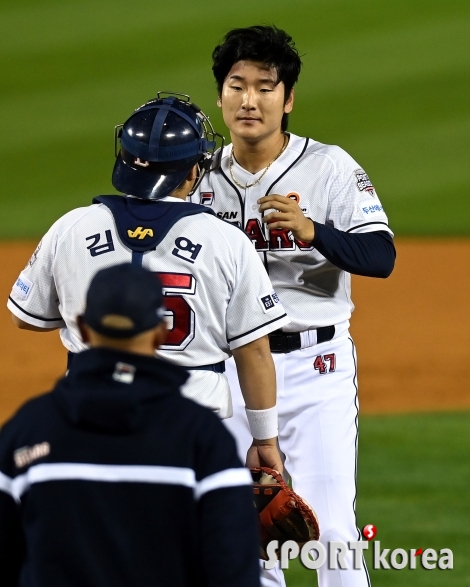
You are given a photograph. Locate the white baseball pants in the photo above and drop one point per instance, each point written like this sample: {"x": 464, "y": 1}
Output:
{"x": 318, "y": 433}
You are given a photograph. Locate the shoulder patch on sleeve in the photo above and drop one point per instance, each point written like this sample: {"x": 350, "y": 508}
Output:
{"x": 269, "y": 301}
{"x": 22, "y": 288}
{"x": 362, "y": 181}
{"x": 34, "y": 256}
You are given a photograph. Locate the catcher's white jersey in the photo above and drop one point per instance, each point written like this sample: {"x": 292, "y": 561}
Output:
{"x": 332, "y": 189}
{"x": 217, "y": 293}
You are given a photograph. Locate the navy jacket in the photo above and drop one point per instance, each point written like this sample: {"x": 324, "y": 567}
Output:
{"x": 114, "y": 478}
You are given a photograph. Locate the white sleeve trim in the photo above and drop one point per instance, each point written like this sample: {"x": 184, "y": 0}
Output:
{"x": 370, "y": 227}
{"x": 227, "y": 478}
{"x": 259, "y": 332}
{"x": 15, "y": 309}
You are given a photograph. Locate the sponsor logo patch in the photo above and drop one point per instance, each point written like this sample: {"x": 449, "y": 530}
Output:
{"x": 22, "y": 288}
{"x": 124, "y": 373}
{"x": 269, "y": 301}
{"x": 227, "y": 215}
{"x": 140, "y": 232}
{"x": 371, "y": 208}
{"x": 27, "y": 454}
{"x": 362, "y": 180}
{"x": 207, "y": 198}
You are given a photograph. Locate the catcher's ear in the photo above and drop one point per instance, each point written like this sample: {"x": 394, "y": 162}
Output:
{"x": 192, "y": 174}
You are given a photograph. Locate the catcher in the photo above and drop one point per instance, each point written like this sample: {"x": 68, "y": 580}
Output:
{"x": 218, "y": 297}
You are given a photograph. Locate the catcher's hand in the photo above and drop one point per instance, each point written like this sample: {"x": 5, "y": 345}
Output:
{"x": 283, "y": 514}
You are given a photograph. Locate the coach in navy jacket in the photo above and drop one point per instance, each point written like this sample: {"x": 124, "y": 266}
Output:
{"x": 115, "y": 479}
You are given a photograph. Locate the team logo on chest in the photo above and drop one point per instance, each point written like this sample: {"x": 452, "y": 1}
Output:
{"x": 140, "y": 232}
{"x": 296, "y": 197}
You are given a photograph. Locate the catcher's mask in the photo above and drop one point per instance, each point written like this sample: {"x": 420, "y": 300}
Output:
{"x": 160, "y": 143}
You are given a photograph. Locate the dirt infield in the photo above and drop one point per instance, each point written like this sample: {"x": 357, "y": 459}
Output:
{"x": 412, "y": 332}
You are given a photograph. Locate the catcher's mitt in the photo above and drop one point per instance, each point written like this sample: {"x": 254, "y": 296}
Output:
{"x": 283, "y": 514}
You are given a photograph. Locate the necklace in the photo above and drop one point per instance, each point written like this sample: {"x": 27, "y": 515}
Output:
{"x": 249, "y": 185}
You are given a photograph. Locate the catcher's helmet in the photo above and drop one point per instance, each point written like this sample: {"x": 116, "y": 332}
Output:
{"x": 160, "y": 143}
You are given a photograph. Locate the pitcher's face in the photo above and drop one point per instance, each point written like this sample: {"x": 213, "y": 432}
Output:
{"x": 252, "y": 103}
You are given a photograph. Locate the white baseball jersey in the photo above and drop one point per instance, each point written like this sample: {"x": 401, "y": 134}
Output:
{"x": 316, "y": 384}
{"x": 217, "y": 293}
{"x": 331, "y": 188}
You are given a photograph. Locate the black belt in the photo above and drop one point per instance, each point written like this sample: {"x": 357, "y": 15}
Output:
{"x": 286, "y": 342}
{"x": 216, "y": 367}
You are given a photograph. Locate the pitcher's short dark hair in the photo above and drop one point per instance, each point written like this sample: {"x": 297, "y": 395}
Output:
{"x": 266, "y": 44}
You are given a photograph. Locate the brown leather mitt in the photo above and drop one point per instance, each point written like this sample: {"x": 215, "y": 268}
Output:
{"x": 283, "y": 514}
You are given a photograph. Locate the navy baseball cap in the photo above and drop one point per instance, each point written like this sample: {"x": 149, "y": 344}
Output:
{"x": 123, "y": 301}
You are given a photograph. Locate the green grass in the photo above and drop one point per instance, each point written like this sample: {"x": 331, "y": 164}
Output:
{"x": 413, "y": 485}
{"x": 388, "y": 81}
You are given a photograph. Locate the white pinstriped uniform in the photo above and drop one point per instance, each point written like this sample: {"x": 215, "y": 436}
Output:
{"x": 317, "y": 386}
